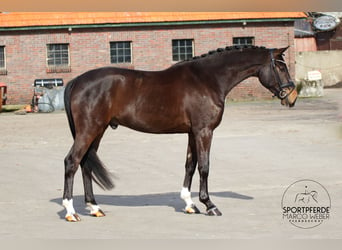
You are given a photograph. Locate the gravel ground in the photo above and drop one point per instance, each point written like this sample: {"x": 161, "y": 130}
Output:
{"x": 259, "y": 149}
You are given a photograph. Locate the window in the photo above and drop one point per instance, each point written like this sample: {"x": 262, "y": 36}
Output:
{"x": 120, "y": 52}
{"x": 2, "y": 57}
{"x": 182, "y": 49}
{"x": 2, "y": 61}
{"x": 58, "y": 58}
{"x": 243, "y": 40}
{"x": 58, "y": 54}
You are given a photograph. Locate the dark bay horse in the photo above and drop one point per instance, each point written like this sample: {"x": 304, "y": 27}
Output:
{"x": 188, "y": 97}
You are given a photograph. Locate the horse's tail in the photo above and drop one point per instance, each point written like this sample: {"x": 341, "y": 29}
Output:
{"x": 90, "y": 162}
{"x": 67, "y": 106}
{"x": 100, "y": 175}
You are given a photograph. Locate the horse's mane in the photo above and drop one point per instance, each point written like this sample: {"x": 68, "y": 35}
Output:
{"x": 220, "y": 50}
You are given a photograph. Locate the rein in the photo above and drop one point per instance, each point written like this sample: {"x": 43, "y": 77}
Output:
{"x": 282, "y": 94}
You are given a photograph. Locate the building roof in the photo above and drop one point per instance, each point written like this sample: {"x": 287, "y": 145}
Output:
{"x": 43, "y": 19}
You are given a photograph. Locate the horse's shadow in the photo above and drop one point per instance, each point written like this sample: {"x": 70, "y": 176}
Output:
{"x": 170, "y": 199}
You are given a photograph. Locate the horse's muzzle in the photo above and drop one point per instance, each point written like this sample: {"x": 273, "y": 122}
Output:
{"x": 290, "y": 99}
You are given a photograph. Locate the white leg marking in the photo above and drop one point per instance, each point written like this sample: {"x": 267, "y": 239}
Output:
{"x": 71, "y": 215}
{"x": 68, "y": 204}
{"x": 93, "y": 208}
{"x": 186, "y": 196}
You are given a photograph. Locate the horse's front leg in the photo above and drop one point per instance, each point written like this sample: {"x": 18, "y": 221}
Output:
{"x": 190, "y": 167}
{"x": 203, "y": 142}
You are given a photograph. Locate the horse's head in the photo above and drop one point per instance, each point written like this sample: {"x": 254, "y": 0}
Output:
{"x": 275, "y": 76}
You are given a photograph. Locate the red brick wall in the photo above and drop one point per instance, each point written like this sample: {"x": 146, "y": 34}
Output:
{"x": 151, "y": 46}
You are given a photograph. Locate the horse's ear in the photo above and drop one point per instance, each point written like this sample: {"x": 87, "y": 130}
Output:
{"x": 281, "y": 51}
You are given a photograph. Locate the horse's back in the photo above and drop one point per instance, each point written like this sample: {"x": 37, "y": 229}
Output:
{"x": 142, "y": 100}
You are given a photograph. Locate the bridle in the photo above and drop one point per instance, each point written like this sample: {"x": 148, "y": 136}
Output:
{"x": 282, "y": 94}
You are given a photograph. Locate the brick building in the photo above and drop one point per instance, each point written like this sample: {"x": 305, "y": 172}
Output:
{"x": 64, "y": 45}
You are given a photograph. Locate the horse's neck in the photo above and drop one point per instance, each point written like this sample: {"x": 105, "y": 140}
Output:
{"x": 230, "y": 75}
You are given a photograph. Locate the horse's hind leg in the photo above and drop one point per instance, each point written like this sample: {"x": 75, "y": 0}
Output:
{"x": 71, "y": 163}
{"x": 190, "y": 167}
{"x": 95, "y": 210}
{"x": 70, "y": 170}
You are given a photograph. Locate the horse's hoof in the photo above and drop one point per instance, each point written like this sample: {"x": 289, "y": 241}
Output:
{"x": 192, "y": 210}
{"x": 98, "y": 213}
{"x": 214, "y": 212}
{"x": 73, "y": 218}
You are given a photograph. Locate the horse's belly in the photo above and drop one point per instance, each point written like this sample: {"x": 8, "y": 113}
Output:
{"x": 156, "y": 122}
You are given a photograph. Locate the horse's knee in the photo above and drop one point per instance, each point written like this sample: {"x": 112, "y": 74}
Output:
{"x": 204, "y": 171}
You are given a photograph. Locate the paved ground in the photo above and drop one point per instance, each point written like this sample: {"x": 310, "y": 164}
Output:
{"x": 258, "y": 151}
